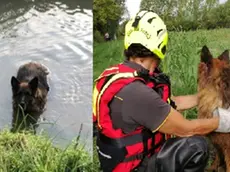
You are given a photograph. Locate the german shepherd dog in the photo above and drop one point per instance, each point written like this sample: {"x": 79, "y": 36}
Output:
{"x": 213, "y": 92}
{"x": 29, "y": 89}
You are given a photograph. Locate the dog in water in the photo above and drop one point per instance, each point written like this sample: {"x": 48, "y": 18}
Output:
{"x": 29, "y": 89}
{"x": 213, "y": 92}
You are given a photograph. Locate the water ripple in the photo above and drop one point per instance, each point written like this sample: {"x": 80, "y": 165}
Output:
{"x": 59, "y": 35}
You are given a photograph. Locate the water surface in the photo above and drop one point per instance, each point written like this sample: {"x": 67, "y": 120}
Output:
{"x": 57, "y": 34}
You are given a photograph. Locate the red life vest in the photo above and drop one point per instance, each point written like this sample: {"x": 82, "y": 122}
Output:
{"x": 109, "y": 83}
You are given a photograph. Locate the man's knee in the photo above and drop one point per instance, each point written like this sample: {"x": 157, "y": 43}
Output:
{"x": 199, "y": 144}
{"x": 182, "y": 154}
{"x": 194, "y": 146}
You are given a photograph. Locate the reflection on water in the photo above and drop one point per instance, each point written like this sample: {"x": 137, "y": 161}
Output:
{"x": 57, "y": 34}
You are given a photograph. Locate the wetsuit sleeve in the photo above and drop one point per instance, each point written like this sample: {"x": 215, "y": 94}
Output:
{"x": 143, "y": 105}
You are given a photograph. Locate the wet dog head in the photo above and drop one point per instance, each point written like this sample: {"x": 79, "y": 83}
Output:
{"x": 214, "y": 78}
{"x": 24, "y": 92}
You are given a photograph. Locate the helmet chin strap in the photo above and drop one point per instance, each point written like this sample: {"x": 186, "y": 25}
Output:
{"x": 137, "y": 19}
{"x": 135, "y": 23}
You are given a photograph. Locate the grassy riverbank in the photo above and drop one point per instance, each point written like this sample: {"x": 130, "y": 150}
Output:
{"x": 35, "y": 153}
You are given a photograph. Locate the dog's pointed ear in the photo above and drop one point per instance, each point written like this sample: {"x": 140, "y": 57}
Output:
{"x": 15, "y": 84}
{"x": 224, "y": 56}
{"x": 34, "y": 84}
{"x": 206, "y": 55}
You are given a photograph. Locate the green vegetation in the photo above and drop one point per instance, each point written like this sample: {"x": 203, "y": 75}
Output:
{"x": 179, "y": 15}
{"x": 22, "y": 150}
{"x": 188, "y": 14}
{"x": 106, "y": 15}
{"x": 180, "y": 63}
{"x": 35, "y": 153}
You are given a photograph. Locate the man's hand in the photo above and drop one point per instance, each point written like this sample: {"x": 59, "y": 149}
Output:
{"x": 176, "y": 124}
{"x": 185, "y": 102}
{"x": 224, "y": 116}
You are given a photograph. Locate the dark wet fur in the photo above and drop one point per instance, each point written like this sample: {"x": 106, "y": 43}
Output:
{"x": 213, "y": 92}
{"x": 29, "y": 89}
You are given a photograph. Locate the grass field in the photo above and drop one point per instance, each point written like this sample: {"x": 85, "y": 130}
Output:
{"x": 181, "y": 61}
{"x": 26, "y": 152}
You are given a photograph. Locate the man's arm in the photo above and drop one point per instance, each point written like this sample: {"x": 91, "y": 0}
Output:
{"x": 143, "y": 106}
{"x": 185, "y": 102}
{"x": 177, "y": 125}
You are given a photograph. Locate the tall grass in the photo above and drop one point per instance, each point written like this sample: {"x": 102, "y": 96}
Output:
{"x": 26, "y": 152}
{"x": 181, "y": 61}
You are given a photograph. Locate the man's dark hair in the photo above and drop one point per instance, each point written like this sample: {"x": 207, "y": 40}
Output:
{"x": 138, "y": 50}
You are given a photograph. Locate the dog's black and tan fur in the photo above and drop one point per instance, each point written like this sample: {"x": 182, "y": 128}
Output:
{"x": 213, "y": 92}
{"x": 29, "y": 89}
